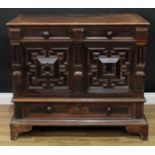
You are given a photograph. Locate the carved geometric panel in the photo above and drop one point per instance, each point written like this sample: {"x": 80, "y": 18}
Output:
{"x": 47, "y": 68}
{"x": 109, "y": 67}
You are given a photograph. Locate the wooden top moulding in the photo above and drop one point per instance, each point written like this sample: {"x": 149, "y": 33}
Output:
{"x": 78, "y": 19}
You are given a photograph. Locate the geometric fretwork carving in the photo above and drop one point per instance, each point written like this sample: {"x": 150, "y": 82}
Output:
{"x": 109, "y": 67}
{"x": 47, "y": 68}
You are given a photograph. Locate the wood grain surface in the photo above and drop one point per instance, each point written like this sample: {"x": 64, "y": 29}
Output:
{"x": 75, "y": 19}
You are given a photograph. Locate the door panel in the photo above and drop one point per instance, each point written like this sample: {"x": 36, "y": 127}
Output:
{"x": 46, "y": 68}
{"x": 86, "y": 69}
{"x": 110, "y": 69}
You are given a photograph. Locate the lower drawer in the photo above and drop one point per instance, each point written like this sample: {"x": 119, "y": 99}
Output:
{"x": 78, "y": 109}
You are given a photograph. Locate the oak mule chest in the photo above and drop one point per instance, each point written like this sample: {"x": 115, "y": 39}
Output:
{"x": 78, "y": 70}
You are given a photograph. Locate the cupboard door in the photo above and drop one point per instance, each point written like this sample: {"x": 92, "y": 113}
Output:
{"x": 111, "y": 69}
{"x": 46, "y": 69}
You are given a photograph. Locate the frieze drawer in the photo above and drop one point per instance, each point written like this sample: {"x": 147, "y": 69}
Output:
{"x": 72, "y": 33}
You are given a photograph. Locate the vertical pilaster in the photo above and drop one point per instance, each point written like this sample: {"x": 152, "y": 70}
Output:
{"x": 78, "y": 61}
{"x": 141, "y": 41}
{"x": 15, "y": 36}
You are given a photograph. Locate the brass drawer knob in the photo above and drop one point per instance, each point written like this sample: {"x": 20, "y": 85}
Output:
{"x": 79, "y": 107}
{"x": 49, "y": 108}
{"x": 46, "y": 34}
{"x": 108, "y": 110}
{"x": 109, "y": 34}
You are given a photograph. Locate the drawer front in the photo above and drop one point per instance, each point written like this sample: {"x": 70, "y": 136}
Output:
{"x": 45, "y": 33}
{"x": 109, "y": 33}
{"x": 78, "y": 109}
{"x": 82, "y": 33}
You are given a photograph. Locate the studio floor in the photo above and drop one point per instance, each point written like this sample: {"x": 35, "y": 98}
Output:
{"x": 74, "y": 136}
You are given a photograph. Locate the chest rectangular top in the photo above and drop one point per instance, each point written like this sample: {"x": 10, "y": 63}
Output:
{"x": 78, "y": 19}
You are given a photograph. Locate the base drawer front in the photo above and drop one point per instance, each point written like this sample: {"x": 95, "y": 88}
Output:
{"x": 78, "y": 109}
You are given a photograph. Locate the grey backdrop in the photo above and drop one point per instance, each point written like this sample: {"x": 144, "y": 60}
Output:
{"x": 5, "y": 51}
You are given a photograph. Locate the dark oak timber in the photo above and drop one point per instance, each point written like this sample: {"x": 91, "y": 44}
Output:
{"x": 78, "y": 70}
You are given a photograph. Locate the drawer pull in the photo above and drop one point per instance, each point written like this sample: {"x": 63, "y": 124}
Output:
{"x": 109, "y": 110}
{"x": 46, "y": 34}
{"x": 79, "y": 107}
{"x": 49, "y": 109}
{"x": 109, "y": 34}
